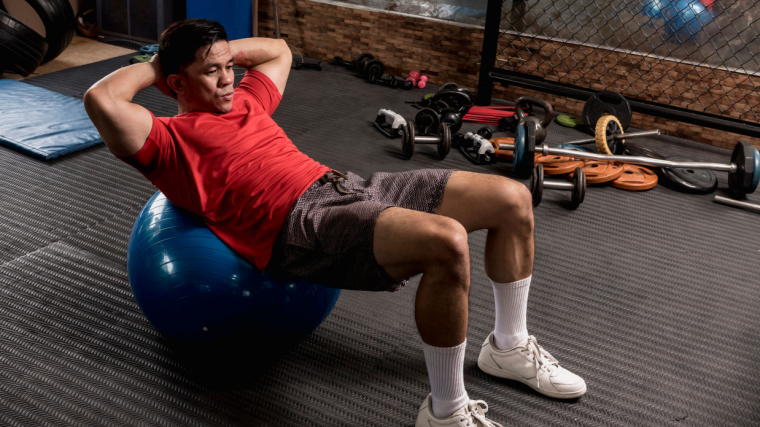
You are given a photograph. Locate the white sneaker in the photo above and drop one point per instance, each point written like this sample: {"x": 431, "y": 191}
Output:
{"x": 530, "y": 364}
{"x": 471, "y": 414}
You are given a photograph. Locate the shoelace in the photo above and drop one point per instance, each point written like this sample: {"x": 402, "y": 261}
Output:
{"x": 541, "y": 359}
{"x": 478, "y": 409}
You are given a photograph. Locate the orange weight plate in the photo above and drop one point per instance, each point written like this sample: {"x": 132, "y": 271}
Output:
{"x": 635, "y": 178}
{"x": 502, "y": 154}
{"x": 557, "y": 165}
{"x": 598, "y": 172}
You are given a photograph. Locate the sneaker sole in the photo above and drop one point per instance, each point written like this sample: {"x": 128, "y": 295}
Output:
{"x": 498, "y": 372}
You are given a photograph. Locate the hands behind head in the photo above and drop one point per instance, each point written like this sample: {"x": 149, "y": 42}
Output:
{"x": 160, "y": 82}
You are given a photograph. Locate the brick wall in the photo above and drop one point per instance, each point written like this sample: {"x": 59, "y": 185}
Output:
{"x": 443, "y": 51}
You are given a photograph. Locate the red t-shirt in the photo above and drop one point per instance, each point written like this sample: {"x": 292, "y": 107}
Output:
{"x": 237, "y": 170}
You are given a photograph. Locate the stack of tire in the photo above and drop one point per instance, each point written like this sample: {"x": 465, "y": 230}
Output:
{"x": 22, "y": 49}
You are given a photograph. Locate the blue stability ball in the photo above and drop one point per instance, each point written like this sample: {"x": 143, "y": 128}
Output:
{"x": 193, "y": 287}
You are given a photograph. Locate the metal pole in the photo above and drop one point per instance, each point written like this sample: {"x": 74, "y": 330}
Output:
{"x": 276, "y": 20}
{"x": 737, "y": 204}
{"x": 255, "y": 17}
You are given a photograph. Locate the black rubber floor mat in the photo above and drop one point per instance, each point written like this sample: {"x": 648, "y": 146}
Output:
{"x": 651, "y": 296}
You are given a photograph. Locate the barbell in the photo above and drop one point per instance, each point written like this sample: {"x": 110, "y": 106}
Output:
{"x": 743, "y": 171}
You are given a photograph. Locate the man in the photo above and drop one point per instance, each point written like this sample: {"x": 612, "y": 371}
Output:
{"x": 224, "y": 158}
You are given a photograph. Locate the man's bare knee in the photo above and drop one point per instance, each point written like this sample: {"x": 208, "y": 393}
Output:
{"x": 515, "y": 201}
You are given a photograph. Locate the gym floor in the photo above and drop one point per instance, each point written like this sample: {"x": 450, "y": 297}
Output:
{"x": 651, "y": 296}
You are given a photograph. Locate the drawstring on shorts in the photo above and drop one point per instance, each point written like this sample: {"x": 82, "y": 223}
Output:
{"x": 336, "y": 178}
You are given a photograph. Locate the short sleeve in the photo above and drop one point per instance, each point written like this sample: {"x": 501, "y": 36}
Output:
{"x": 262, "y": 89}
{"x": 146, "y": 160}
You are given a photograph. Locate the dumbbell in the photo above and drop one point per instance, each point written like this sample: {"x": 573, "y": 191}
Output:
{"x": 409, "y": 139}
{"x": 538, "y": 185}
{"x": 743, "y": 171}
{"x": 417, "y": 79}
{"x": 365, "y": 64}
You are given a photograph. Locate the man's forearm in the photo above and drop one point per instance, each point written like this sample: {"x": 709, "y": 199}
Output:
{"x": 250, "y": 52}
{"x": 123, "y": 84}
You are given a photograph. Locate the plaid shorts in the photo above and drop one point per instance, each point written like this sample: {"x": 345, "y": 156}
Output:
{"x": 328, "y": 235}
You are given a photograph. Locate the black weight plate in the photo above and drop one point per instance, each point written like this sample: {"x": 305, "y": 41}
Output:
{"x": 640, "y": 151}
{"x": 579, "y": 188}
{"x": 454, "y": 99}
{"x": 444, "y": 146}
{"x": 362, "y": 60}
{"x": 524, "y": 158}
{"x": 374, "y": 70}
{"x": 606, "y": 102}
{"x": 426, "y": 121}
{"x": 407, "y": 141}
{"x": 740, "y": 182}
{"x": 689, "y": 180}
{"x": 537, "y": 184}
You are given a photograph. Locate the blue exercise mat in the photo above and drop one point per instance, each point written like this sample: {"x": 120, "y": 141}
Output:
{"x": 41, "y": 123}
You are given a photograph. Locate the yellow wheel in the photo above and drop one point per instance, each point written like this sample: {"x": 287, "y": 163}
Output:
{"x": 606, "y": 128}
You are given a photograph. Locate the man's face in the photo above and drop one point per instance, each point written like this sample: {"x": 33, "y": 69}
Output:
{"x": 209, "y": 79}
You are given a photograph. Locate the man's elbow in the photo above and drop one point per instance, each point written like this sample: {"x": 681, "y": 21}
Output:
{"x": 285, "y": 49}
{"x": 91, "y": 101}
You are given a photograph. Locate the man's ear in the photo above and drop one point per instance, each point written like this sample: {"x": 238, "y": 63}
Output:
{"x": 176, "y": 83}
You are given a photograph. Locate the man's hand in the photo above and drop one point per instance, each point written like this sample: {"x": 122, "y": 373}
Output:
{"x": 161, "y": 79}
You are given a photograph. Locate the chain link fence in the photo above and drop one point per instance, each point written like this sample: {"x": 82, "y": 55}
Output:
{"x": 698, "y": 58}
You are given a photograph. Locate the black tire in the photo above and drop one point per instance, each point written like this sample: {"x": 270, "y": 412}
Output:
{"x": 21, "y": 48}
{"x": 60, "y": 25}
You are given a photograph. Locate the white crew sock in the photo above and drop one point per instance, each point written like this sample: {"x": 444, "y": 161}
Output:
{"x": 445, "y": 366}
{"x": 511, "y": 312}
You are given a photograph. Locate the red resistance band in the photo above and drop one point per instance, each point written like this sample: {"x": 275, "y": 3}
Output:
{"x": 488, "y": 115}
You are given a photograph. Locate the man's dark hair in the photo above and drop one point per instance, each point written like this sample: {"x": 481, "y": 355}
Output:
{"x": 181, "y": 40}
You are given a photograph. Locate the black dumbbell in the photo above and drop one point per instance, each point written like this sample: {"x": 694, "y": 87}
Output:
{"x": 409, "y": 139}
{"x": 538, "y": 185}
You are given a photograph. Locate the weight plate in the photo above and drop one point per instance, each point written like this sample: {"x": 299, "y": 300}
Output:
{"x": 606, "y": 129}
{"x": 598, "y": 172}
{"x": 426, "y": 121}
{"x": 374, "y": 70}
{"x": 756, "y": 172}
{"x": 606, "y": 102}
{"x": 639, "y": 151}
{"x": 537, "y": 184}
{"x": 635, "y": 178}
{"x": 557, "y": 165}
{"x": 529, "y": 150}
{"x": 689, "y": 180}
{"x": 569, "y": 120}
{"x": 361, "y": 61}
{"x": 454, "y": 99}
{"x": 740, "y": 181}
{"x": 407, "y": 141}
{"x": 444, "y": 146}
{"x": 579, "y": 188}
{"x": 518, "y": 155}
{"x": 503, "y": 154}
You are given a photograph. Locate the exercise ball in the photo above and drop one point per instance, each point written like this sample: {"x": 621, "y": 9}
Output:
{"x": 192, "y": 287}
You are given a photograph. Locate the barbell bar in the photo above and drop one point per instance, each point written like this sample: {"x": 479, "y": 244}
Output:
{"x": 743, "y": 171}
